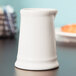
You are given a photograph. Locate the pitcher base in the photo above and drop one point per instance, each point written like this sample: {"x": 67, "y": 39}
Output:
{"x": 37, "y": 66}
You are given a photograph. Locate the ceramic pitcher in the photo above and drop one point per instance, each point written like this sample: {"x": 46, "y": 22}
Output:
{"x": 37, "y": 46}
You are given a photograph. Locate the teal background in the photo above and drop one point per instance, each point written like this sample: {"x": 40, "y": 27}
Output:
{"x": 66, "y": 8}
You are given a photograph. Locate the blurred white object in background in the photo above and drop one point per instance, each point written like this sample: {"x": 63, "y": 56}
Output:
{"x": 64, "y": 37}
{"x": 10, "y": 9}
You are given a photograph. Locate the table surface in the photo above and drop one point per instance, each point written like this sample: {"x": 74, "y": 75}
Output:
{"x": 66, "y": 57}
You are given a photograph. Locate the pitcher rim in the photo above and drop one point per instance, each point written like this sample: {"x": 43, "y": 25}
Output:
{"x": 35, "y": 10}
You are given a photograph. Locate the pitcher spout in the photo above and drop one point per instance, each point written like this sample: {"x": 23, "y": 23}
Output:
{"x": 53, "y": 12}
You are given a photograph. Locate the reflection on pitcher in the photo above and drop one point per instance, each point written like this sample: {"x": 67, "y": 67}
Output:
{"x": 19, "y": 72}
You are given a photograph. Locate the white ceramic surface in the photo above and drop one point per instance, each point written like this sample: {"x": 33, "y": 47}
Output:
{"x": 37, "y": 47}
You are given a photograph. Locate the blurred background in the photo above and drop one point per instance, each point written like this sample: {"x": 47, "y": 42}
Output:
{"x": 10, "y": 27}
{"x": 66, "y": 8}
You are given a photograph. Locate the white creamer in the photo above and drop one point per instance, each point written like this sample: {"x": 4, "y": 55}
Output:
{"x": 37, "y": 46}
